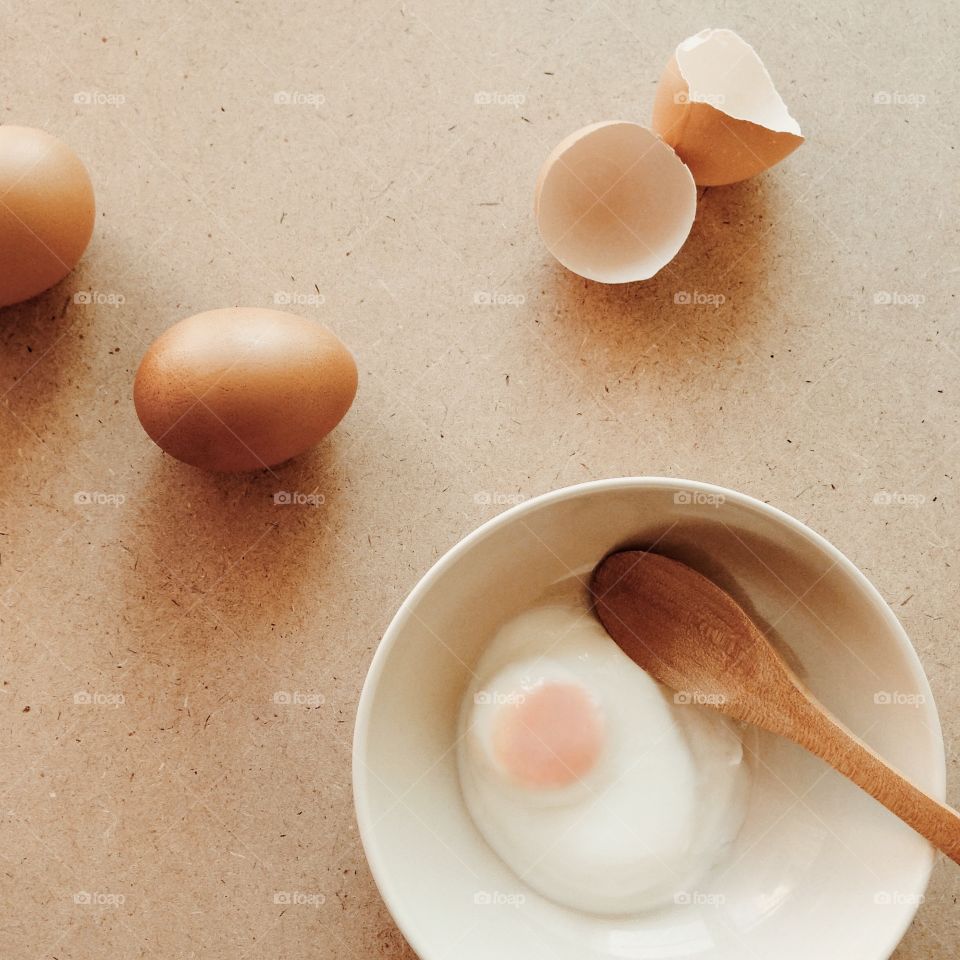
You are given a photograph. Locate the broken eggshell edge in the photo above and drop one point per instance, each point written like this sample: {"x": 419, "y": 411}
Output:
{"x": 656, "y": 182}
{"x": 718, "y": 147}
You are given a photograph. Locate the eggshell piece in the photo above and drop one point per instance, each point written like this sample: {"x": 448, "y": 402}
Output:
{"x": 242, "y": 389}
{"x": 614, "y": 203}
{"x": 718, "y": 108}
{"x": 47, "y": 211}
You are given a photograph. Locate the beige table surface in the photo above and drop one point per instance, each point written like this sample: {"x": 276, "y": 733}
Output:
{"x": 372, "y": 166}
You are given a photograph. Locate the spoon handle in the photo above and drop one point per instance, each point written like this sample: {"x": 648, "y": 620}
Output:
{"x": 824, "y": 735}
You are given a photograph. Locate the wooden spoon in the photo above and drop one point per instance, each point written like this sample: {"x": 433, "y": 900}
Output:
{"x": 690, "y": 635}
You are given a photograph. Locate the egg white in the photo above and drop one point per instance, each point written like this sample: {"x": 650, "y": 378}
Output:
{"x": 649, "y": 819}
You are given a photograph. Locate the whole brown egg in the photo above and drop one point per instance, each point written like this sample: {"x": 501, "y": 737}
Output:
{"x": 243, "y": 388}
{"x": 46, "y": 212}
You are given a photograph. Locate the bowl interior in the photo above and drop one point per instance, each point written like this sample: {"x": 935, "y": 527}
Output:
{"x": 819, "y": 868}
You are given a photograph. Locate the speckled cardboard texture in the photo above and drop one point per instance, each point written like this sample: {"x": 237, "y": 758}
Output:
{"x": 181, "y": 654}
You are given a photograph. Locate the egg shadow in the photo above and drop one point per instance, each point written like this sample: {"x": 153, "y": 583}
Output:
{"x": 39, "y": 356}
{"x": 49, "y": 345}
{"x": 236, "y": 549}
{"x": 705, "y": 296}
{"x": 33, "y": 337}
{"x": 34, "y": 333}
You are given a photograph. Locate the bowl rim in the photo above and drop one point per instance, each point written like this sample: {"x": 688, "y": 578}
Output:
{"x": 360, "y": 771}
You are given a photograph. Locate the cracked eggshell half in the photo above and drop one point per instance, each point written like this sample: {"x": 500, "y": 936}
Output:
{"x": 718, "y": 108}
{"x": 614, "y": 203}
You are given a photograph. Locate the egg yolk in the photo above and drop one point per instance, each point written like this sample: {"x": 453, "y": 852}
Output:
{"x": 551, "y": 738}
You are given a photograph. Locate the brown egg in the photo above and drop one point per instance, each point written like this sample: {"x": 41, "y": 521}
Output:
{"x": 46, "y": 212}
{"x": 718, "y": 108}
{"x": 243, "y": 388}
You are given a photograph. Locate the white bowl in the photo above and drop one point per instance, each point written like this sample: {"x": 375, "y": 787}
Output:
{"x": 819, "y": 869}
